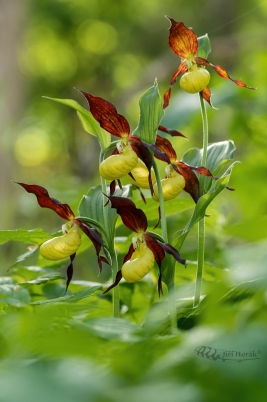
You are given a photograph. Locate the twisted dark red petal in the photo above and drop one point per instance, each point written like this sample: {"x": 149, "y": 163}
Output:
{"x": 153, "y": 245}
{"x": 45, "y": 201}
{"x": 96, "y": 239}
{"x": 117, "y": 280}
{"x": 132, "y": 217}
{"x": 129, "y": 254}
{"x": 173, "y": 133}
{"x": 165, "y": 145}
{"x": 191, "y": 180}
{"x": 107, "y": 116}
{"x": 70, "y": 271}
{"x": 171, "y": 250}
{"x": 143, "y": 153}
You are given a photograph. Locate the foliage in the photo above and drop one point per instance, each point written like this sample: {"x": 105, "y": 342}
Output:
{"x": 67, "y": 346}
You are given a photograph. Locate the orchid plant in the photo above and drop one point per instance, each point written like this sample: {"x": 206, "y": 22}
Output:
{"x": 133, "y": 161}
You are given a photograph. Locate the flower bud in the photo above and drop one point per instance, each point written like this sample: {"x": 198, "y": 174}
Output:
{"x": 140, "y": 173}
{"x": 172, "y": 186}
{"x": 61, "y": 247}
{"x": 117, "y": 166}
{"x": 195, "y": 80}
{"x": 141, "y": 262}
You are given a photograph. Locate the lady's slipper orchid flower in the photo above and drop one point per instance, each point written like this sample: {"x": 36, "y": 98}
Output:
{"x": 129, "y": 148}
{"x": 195, "y": 78}
{"x": 65, "y": 246}
{"x": 145, "y": 247}
{"x": 179, "y": 175}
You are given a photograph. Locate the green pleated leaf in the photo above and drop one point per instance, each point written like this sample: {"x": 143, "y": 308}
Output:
{"x": 199, "y": 213}
{"x": 151, "y": 112}
{"x": 89, "y": 123}
{"x": 83, "y": 294}
{"x": 204, "y": 47}
{"x": 219, "y": 154}
{"x": 91, "y": 206}
{"x": 14, "y": 294}
{"x": 110, "y": 328}
{"x": 34, "y": 236}
{"x": 52, "y": 276}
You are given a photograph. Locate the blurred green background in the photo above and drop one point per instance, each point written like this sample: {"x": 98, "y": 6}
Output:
{"x": 115, "y": 49}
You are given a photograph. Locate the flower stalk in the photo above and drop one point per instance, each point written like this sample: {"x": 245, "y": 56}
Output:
{"x": 201, "y": 224}
{"x": 114, "y": 260}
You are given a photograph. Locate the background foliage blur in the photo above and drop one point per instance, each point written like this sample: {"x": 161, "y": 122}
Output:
{"x": 115, "y": 50}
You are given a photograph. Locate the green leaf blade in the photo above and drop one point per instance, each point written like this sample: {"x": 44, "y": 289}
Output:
{"x": 151, "y": 112}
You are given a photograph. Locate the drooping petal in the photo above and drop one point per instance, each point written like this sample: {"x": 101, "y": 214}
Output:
{"x": 180, "y": 70}
{"x": 117, "y": 280}
{"x": 182, "y": 40}
{"x": 165, "y": 145}
{"x": 206, "y": 95}
{"x": 166, "y": 98}
{"x": 171, "y": 250}
{"x": 96, "y": 239}
{"x": 223, "y": 73}
{"x": 45, "y": 201}
{"x": 129, "y": 254}
{"x": 143, "y": 153}
{"x": 173, "y": 133}
{"x": 70, "y": 271}
{"x": 107, "y": 116}
{"x": 191, "y": 180}
{"x": 132, "y": 217}
{"x": 158, "y": 251}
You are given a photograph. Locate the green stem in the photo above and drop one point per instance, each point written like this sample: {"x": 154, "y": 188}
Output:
{"x": 201, "y": 224}
{"x": 161, "y": 203}
{"x": 116, "y": 290}
{"x": 171, "y": 281}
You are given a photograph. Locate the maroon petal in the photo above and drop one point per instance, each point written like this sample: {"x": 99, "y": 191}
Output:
{"x": 95, "y": 238}
{"x": 70, "y": 271}
{"x": 132, "y": 217}
{"x": 117, "y": 280}
{"x": 171, "y": 250}
{"x": 45, "y": 201}
{"x": 158, "y": 252}
{"x": 107, "y": 116}
{"x": 165, "y": 145}
{"x": 191, "y": 180}
{"x": 160, "y": 290}
{"x": 129, "y": 254}
{"x": 144, "y": 154}
{"x": 112, "y": 187}
{"x": 173, "y": 133}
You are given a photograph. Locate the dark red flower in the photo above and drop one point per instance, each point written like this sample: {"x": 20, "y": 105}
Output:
{"x": 145, "y": 247}
{"x": 66, "y": 246}
{"x": 183, "y": 42}
{"x": 129, "y": 148}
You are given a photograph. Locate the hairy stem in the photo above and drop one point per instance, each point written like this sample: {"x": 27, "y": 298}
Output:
{"x": 116, "y": 290}
{"x": 201, "y": 224}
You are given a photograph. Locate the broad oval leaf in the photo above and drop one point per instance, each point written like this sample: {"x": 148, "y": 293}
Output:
{"x": 218, "y": 155}
{"x": 92, "y": 204}
{"x": 151, "y": 112}
{"x": 34, "y": 236}
{"x": 89, "y": 123}
{"x": 14, "y": 294}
